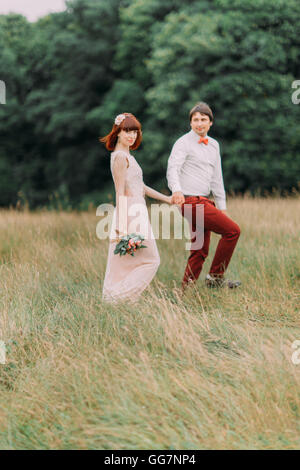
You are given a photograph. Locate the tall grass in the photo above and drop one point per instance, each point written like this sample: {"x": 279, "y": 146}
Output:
{"x": 212, "y": 370}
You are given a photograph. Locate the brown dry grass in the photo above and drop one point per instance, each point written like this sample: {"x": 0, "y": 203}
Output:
{"x": 212, "y": 371}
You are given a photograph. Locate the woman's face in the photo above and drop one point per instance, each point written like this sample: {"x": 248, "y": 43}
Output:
{"x": 127, "y": 138}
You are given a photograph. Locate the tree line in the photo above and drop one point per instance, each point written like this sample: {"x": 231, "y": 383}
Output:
{"x": 70, "y": 73}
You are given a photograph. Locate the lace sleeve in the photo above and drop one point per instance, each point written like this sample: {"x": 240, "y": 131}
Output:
{"x": 120, "y": 152}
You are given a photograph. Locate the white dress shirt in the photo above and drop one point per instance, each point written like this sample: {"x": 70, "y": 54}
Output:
{"x": 195, "y": 169}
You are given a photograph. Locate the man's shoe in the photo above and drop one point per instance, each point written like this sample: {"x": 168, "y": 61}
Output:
{"x": 216, "y": 282}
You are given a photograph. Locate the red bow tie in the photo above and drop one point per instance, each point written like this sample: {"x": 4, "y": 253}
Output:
{"x": 204, "y": 140}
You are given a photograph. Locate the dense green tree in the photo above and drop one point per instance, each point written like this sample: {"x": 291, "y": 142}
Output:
{"x": 15, "y": 38}
{"x": 241, "y": 57}
{"x": 81, "y": 50}
{"x": 70, "y": 73}
{"x": 57, "y": 71}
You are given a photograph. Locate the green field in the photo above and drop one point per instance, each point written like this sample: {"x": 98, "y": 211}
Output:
{"x": 213, "y": 370}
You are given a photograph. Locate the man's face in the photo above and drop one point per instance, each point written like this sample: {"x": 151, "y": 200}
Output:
{"x": 200, "y": 123}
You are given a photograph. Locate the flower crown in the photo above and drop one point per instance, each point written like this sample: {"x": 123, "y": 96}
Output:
{"x": 119, "y": 119}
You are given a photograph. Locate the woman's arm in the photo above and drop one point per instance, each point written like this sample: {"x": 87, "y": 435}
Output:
{"x": 157, "y": 195}
{"x": 119, "y": 173}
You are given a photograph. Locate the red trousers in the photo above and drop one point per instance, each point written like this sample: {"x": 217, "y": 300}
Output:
{"x": 214, "y": 221}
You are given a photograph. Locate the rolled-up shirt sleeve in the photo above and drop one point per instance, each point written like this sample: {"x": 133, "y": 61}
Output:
{"x": 175, "y": 162}
{"x": 217, "y": 184}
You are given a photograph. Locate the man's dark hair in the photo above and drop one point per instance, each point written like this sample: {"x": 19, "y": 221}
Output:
{"x": 202, "y": 108}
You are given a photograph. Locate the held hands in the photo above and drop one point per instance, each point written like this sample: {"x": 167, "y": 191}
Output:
{"x": 177, "y": 198}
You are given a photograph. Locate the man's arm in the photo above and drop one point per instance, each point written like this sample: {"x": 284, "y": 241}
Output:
{"x": 217, "y": 184}
{"x": 175, "y": 162}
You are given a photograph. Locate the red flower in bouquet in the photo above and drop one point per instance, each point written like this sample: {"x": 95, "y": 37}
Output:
{"x": 129, "y": 244}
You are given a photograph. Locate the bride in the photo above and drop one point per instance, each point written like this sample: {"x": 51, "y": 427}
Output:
{"x": 126, "y": 277}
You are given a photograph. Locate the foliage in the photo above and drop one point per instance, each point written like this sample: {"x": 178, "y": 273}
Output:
{"x": 70, "y": 73}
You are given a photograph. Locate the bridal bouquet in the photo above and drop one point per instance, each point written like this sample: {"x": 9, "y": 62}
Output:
{"x": 129, "y": 244}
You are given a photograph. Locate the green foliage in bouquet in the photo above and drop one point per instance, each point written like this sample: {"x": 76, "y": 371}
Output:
{"x": 129, "y": 244}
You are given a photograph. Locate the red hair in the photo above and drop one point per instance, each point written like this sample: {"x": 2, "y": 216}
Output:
{"x": 130, "y": 123}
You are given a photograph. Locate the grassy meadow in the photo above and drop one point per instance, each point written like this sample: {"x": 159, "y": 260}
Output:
{"x": 212, "y": 370}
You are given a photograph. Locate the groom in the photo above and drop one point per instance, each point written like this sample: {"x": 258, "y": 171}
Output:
{"x": 194, "y": 170}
